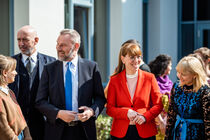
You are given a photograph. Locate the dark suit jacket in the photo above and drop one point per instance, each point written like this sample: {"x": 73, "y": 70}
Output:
{"x": 35, "y": 118}
{"x": 43, "y": 59}
{"x": 145, "y": 67}
{"x": 51, "y": 96}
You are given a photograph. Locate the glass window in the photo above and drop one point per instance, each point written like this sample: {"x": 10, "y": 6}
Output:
{"x": 187, "y": 39}
{"x": 145, "y": 31}
{"x": 206, "y": 38}
{"x": 66, "y": 9}
{"x": 187, "y": 10}
{"x": 81, "y": 25}
{"x": 203, "y": 9}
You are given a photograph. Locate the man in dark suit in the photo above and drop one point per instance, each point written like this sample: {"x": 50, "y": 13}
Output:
{"x": 30, "y": 65}
{"x": 70, "y": 114}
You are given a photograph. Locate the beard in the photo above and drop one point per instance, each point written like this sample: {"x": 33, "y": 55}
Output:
{"x": 27, "y": 51}
{"x": 66, "y": 57}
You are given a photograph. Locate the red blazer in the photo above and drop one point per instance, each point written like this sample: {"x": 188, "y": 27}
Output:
{"x": 146, "y": 101}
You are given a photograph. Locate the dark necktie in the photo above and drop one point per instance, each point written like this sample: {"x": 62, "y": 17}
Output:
{"x": 29, "y": 66}
{"x": 68, "y": 87}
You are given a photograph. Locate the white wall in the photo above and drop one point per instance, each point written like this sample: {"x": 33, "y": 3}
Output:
{"x": 125, "y": 23}
{"x": 169, "y": 32}
{"x": 132, "y": 20}
{"x": 115, "y": 32}
{"x": 163, "y": 30}
{"x": 153, "y": 29}
{"x": 47, "y": 16}
{"x": 21, "y": 17}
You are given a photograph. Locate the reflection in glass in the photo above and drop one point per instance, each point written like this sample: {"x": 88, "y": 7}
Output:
{"x": 203, "y": 9}
{"x": 206, "y": 38}
{"x": 145, "y": 31}
{"x": 187, "y": 39}
{"x": 81, "y": 25}
{"x": 187, "y": 10}
{"x": 66, "y": 9}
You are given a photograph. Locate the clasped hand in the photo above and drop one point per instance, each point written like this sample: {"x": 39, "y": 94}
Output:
{"x": 87, "y": 113}
{"x": 135, "y": 117}
{"x": 68, "y": 116}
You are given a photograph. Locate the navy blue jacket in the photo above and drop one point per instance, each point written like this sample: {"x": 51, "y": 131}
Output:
{"x": 26, "y": 97}
{"x": 51, "y": 96}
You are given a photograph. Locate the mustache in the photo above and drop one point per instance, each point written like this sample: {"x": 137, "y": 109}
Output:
{"x": 60, "y": 51}
{"x": 23, "y": 47}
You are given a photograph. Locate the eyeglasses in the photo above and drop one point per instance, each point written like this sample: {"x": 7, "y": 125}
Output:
{"x": 132, "y": 58}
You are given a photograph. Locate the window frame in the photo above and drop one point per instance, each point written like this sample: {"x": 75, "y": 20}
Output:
{"x": 69, "y": 21}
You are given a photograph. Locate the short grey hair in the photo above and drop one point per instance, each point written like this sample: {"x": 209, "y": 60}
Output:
{"x": 75, "y": 36}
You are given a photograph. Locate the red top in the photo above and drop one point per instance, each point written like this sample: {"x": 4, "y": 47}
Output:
{"x": 146, "y": 101}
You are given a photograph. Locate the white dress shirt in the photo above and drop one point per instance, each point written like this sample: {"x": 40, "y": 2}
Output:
{"x": 74, "y": 71}
{"x": 33, "y": 59}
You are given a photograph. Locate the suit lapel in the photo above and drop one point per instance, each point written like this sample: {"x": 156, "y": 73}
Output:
{"x": 80, "y": 77}
{"x": 124, "y": 85}
{"x": 19, "y": 56}
{"x": 41, "y": 64}
{"x": 59, "y": 65}
{"x": 139, "y": 84}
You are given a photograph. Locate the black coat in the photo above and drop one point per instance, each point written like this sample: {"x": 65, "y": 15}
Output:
{"x": 51, "y": 96}
{"x": 34, "y": 118}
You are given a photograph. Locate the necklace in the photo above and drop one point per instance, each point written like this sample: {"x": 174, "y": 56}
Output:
{"x": 132, "y": 76}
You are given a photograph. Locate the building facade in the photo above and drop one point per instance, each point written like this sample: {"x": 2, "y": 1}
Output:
{"x": 173, "y": 27}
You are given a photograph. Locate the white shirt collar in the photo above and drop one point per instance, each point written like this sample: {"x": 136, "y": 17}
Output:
{"x": 73, "y": 61}
{"x": 132, "y": 76}
{"x": 5, "y": 90}
{"x": 74, "y": 71}
{"x": 33, "y": 56}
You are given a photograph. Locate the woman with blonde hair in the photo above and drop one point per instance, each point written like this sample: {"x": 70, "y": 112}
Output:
{"x": 134, "y": 98}
{"x": 12, "y": 123}
{"x": 188, "y": 117}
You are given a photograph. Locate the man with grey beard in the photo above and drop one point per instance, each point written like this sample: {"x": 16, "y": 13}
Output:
{"x": 30, "y": 65}
{"x": 70, "y": 94}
